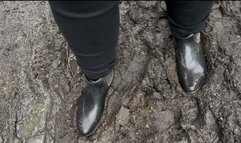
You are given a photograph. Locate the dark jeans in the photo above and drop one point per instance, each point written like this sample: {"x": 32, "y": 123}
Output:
{"x": 91, "y": 29}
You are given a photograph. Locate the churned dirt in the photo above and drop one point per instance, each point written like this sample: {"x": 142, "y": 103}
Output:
{"x": 40, "y": 80}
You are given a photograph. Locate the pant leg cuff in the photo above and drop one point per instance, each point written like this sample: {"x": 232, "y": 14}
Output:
{"x": 100, "y": 73}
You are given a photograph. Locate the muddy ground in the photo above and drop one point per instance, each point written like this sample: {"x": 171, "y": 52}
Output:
{"x": 40, "y": 80}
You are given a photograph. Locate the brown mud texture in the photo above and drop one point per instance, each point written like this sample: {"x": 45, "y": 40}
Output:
{"x": 40, "y": 80}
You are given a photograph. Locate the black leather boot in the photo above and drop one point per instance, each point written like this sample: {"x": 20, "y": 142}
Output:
{"x": 190, "y": 62}
{"x": 91, "y": 104}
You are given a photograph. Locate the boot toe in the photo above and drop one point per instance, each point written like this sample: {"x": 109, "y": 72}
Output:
{"x": 192, "y": 83}
{"x": 86, "y": 122}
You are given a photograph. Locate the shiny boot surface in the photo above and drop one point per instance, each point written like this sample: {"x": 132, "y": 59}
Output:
{"x": 91, "y": 104}
{"x": 190, "y": 62}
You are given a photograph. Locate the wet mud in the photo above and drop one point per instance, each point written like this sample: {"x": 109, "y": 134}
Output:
{"x": 40, "y": 80}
